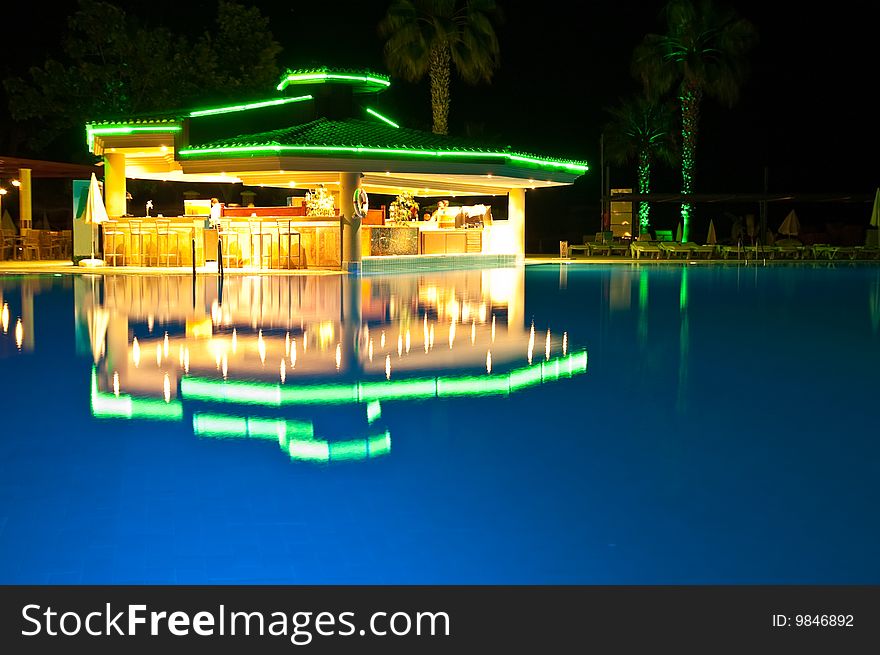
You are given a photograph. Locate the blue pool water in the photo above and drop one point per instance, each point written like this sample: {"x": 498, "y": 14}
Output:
{"x": 684, "y": 425}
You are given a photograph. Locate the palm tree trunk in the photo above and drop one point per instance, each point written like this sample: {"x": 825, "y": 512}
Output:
{"x": 439, "y": 72}
{"x": 690, "y": 98}
{"x": 644, "y": 187}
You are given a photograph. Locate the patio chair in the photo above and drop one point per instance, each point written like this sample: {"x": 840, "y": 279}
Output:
{"x": 677, "y": 249}
{"x": 648, "y": 248}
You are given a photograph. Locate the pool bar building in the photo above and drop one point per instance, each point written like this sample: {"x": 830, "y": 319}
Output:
{"x": 324, "y": 131}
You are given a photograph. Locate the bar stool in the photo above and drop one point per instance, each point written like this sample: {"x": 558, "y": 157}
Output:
{"x": 258, "y": 231}
{"x": 113, "y": 236}
{"x": 136, "y": 232}
{"x": 285, "y": 230}
{"x": 165, "y": 231}
{"x": 229, "y": 234}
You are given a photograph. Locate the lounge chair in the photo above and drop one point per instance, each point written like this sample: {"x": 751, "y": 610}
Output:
{"x": 677, "y": 249}
{"x": 649, "y": 248}
{"x": 867, "y": 252}
{"x": 707, "y": 251}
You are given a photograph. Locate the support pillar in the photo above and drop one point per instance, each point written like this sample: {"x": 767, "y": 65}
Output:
{"x": 114, "y": 184}
{"x": 516, "y": 220}
{"x": 351, "y": 226}
{"x": 25, "y": 212}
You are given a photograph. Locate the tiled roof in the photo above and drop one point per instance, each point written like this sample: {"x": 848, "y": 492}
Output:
{"x": 355, "y": 133}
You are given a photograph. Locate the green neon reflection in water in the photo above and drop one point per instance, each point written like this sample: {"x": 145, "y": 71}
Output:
{"x": 274, "y": 395}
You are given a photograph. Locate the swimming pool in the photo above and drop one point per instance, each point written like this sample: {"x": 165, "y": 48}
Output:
{"x": 548, "y": 424}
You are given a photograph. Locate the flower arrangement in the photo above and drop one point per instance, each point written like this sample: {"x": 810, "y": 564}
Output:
{"x": 404, "y": 208}
{"x": 319, "y": 202}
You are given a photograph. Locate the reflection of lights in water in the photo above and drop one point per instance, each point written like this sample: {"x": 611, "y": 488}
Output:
{"x": 261, "y": 347}
{"x": 325, "y": 334}
{"x": 482, "y": 312}
{"x": 399, "y": 345}
{"x": 531, "y": 341}
{"x": 19, "y": 333}
{"x": 547, "y": 346}
{"x": 166, "y": 388}
{"x": 165, "y": 345}
{"x": 224, "y": 364}
{"x": 338, "y": 355}
{"x": 425, "y": 329}
{"x": 4, "y": 316}
{"x": 431, "y": 336}
{"x": 116, "y": 383}
{"x": 473, "y": 332}
{"x": 186, "y": 359}
{"x": 493, "y": 328}
{"x": 489, "y": 362}
{"x": 382, "y": 341}
{"x": 370, "y": 350}
{"x": 387, "y": 367}
{"x": 150, "y": 322}
{"x": 366, "y": 333}
{"x": 158, "y": 355}
{"x": 408, "y": 340}
{"x": 465, "y": 312}
{"x": 287, "y": 344}
{"x": 293, "y": 353}
{"x": 305, "y": 340}
{"x": 451, "y": 334}
{"x": 234, "y": 340}
{"x": 180, "y": 356}
{"x": 216, "y": 314}
{"x": 564, "y": 342}
{"x": 283, "y": 372}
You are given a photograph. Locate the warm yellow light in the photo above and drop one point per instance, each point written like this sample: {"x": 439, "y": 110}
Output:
{"x": 283, "y": 372}
{"x": 431, "y": 336}
{"x": 489, "y": 361}
{"x": 186, "y": 359}
{"x": 451, "y": 334}
{"x": 399, "y": 345}
{"x": 19, "y": 333}
{"x": 493, "y": 328}
{"x": 165, "y": 345}
{"x": 163, "y": 149}
{"x": 158, "y": 355}
{"x": 473, "y": 332}
{"x": 387, "y": 367}
{"x": 293, "y": 353}
{"x": 166, "y": 388}
{"x": 531, "y": 341}
{"x": 564, "y": 343}
{"x": 116, "y": 383}
{"x": 382, "y": 341}
{"x": 234, "y": 340}
{"x": 407, "y": 340}
{"x": 261, "y": 347}
{"x": 287, "y": 344}
{"x": 4, "y": 317}
{"x": 135, "y": 352}
{"x": 16, "y": 183}
{"x": 224, "y": 365}
{"x": 338, "y": 355}
{"x": 370, "y": 350}
{"x": 547, "y": 346}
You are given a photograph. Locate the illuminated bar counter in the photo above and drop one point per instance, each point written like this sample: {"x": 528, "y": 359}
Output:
{"x": 262, "y": 241}
{"x": 419, "y": 238}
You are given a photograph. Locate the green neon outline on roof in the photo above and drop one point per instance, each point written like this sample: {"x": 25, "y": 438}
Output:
{"x": 124, "y": 128}
{"x": 276, "y": 395}
{"x": 381, "y": 117}
{"x": 252, "y": 105}
{"x": 571, "y": 166}
{"x": 317, "y": 76}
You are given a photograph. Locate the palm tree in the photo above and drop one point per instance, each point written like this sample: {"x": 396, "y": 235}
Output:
{"x": 429, "y": 36}
{"x": 644, "y": 130}
{"x": 703, "y": 51}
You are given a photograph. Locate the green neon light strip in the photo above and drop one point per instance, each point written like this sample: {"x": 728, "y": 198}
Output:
{"x": 315, "y": 77}
{"x": 382, "y": 118}
{"x": 374, "y": 411}
{"x": 129, "y": 130}
{"x": 253, "y": 105}
{"x": 107, "y": 405}
{"x": 295, "y": 437}
{"x": 580, "y": 168}
{"x": 274, "y": 395}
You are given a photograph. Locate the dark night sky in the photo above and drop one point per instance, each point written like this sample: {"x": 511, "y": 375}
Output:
{"x": 807, "y": 110}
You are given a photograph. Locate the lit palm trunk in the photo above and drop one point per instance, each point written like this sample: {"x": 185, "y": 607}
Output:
{"x": 644, "y": 187}
{"x": 439, "y": 73}
{"x": 690, "y": 116}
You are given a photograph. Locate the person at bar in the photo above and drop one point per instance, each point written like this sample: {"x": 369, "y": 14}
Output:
{"x": 216, "y": 212}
